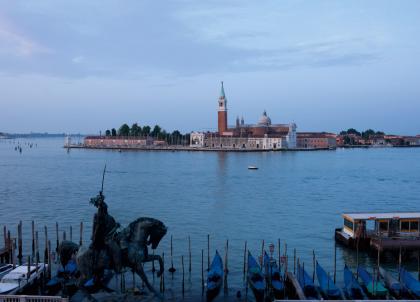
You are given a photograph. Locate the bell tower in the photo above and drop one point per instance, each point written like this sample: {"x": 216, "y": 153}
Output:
{"x": 222, "y": 112}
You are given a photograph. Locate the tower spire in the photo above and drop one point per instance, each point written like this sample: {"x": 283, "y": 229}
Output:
{"x": 222, "y": 91}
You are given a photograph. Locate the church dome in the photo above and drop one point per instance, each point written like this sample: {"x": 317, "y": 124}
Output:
{"x": 264, "y": 120}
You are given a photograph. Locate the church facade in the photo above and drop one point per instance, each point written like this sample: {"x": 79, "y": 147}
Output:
{"x": 264, "y": 135}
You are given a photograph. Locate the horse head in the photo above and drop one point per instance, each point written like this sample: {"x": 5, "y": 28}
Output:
{"x": 148, "y": 229}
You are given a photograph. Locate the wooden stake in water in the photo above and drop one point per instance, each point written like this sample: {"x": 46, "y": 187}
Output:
{"x": 162, "y": 277}
{"x": 202, "y": 272}
{"x": 58, "y": 240}
{"x": 279, "y": 253}
{"x": 313, "y": 262}
{"x": 49, "y": 259}
{"x": 71, "y": 233}
{"x": 357, "y": 258}
{"x": 245, "y": 259}
{"x": 36, "y": 248}
{"x": 183, "y": 277}
{"x": 28, "y": 272}
{"x": 172, "y": 269}
{"x": 33, "y": 239}
{"x": 294, "y": 261}
{"x": 262, "y": 254}
{"x": 64, "y": 235}
{"x": 225, "y": 284}
{"x": 208, "y": 252}
{"x": 46, "y": 255}
{"x": 189, "y": 254}
{"x": 5, "y": 235}
{"x": 20, "y": 256}
{"x": 81, "y": 233}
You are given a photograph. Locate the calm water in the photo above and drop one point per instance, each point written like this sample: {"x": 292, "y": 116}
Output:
{"x": 295, "y": 196}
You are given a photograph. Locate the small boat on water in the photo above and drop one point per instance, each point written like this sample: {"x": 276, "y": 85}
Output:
{"x": 214, "y": 277}
{"x": 374, "y": 287}
{"x": 19, "y": 278}
{"x": 65, "y": 279}
{"x": 328, "y": 288}
{"x": 273, "y": 277}
{"x": 255, "y": 278}
{"x": 410, "y": 283}
{"x": 352, "y": 287}
{"x": 4, "y": 269}
{"x": 252, "y": 167}
{"x": 391, "y": 283}
{"x": 307, "y": 284}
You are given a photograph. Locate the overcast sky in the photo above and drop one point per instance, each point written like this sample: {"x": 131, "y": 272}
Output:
{"x": 84, "y": 66}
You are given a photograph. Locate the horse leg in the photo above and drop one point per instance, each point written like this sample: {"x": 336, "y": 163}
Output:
{"x": 161, "y": 265}
{"x": 139, "y": 270}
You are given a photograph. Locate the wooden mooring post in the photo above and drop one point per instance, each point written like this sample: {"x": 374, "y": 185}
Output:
{"x": 162, "y": 277}
{"x": 71, "y": 233}
{"x": 313, "y": 265}
{"x": 245, "y": 259}
{"x": 81, "y": 234}
{"x": 46, "y": 255}
{"x": 36, "y": 248}
{"x": 58, "y": 239}
{"x": 294, "y": 260}
{"x": 225, "y": 280}
{"x": 172, "y": 269}
{"x": 208, "y": 252}
{"x": 202, "y": 272}
{"x": 20, "y": 256}
{"x": 262, "y": 254}
{"x": 189, "y": 254}
{"x": 33, "y": 239}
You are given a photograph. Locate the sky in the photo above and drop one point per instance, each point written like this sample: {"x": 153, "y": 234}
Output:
{"x": 84, "y": 66}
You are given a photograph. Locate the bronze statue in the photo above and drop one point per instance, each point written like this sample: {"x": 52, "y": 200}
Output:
{"x": 113, "y": 249}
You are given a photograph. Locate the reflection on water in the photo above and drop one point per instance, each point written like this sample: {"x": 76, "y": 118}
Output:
{"x": 294, "y": 196}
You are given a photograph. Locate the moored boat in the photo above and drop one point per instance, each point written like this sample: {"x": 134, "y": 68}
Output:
{"x": 307, "y": 284}
{"x": 252, "y": 167}
{"x": 5, "y": 269}
{"x": 66, "y": 278}
{"x": 214, "y": 277}
{"x": 328, "y": 288}
{"x": 410, "y": 283}
{"x": 374, "y": 287}
{"x": 391, "y": 283}
{"x": 352, "y": 287}
{"x": 273, "y": 276}
{"x": 255, "y": 278}
{"x": 19, "y": 278}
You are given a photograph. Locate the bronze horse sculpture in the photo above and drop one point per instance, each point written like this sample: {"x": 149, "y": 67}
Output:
{"x": 113, "y": 249}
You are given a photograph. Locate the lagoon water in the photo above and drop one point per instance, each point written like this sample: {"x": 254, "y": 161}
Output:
{"x": 295, "y": 196}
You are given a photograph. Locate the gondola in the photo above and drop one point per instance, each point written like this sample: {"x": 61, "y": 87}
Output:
{"x": 307, "y": 284}
{"x": 328, "y": 288}
{"x": 214, "y": 277}
{"x": 273, "y": 276}
{"x": 352, "y": 287}
{"x": 391, "y": 283}
{"x": 65, "y": 279}
{"x": 374, "y": 288}
{"x": 5, "y": 269}
{"x": 410, "y": 283}
{"x": 255, "y": 278}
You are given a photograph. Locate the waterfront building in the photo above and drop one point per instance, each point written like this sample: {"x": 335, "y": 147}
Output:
{"x": 316, "y": 140}
{"x": 263, "y": 135}
{"x": 121, "y": 142}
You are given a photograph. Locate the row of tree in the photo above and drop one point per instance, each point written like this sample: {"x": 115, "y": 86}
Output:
{"x": 369, "y": 133}
{"x": 174, "y": 138}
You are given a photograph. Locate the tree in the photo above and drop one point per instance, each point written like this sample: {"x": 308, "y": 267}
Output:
{"x": 368, "y": 133}
{"x": 156, "y": 131}
{"x": 135, "y": 130}
{"x": 113, "y": 132}
{"x": 353, "y": 131}
{"x": 107, "y": 132}
{"x": 146, "y": 130}
{"x": 124, "y": 130}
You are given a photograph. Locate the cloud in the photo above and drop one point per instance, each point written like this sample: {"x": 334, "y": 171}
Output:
{"x": 78, "y": 59}
{"x": 17, "y": 44}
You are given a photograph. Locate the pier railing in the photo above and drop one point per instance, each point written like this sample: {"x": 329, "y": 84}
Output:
{"x": 24, "y": 298}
